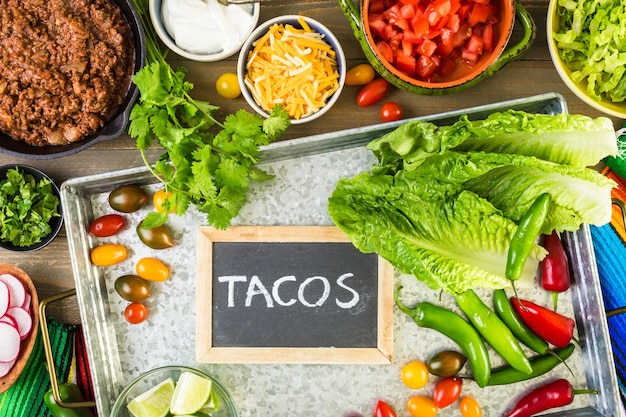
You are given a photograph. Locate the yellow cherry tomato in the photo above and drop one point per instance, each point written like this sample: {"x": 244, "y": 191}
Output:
{"x": 421, "y": 406}
{"x": 159, "y": 198}
{"x": 360, "y": 74}
{"x": 470, "y": 408}
{"x": 152, "y": 269}
{"x": 227, "y": 85}
{"x": 108, "y": 254}
{"x": 414, "y": 374}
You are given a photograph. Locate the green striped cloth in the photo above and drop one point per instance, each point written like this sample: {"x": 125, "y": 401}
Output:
{"x": 25, "y": 397}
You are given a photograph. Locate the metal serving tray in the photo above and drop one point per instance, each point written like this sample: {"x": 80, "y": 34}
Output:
{"x": 306, "y": 170}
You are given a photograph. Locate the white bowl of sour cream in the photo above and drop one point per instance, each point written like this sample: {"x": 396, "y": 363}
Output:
{"x": 203, "y": 30}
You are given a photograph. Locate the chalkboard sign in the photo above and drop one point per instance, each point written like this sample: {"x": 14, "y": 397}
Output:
{"x": 291, "y": 294}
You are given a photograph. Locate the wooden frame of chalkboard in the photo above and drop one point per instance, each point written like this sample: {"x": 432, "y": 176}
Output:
{"x": 306, "y": 295}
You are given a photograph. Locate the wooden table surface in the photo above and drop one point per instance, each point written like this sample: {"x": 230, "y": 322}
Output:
{"x": 531, "y": 74}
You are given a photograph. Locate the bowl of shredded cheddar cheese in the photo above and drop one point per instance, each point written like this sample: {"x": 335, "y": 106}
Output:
{"x": 293, "y": 61}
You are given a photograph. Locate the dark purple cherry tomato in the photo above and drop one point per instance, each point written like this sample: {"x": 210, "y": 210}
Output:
{"x": 390, "y": 111}
{"x": 132, "y": 288}
{"x": 128, "y": 198}
{"x": 383, "y": 409}
{"x": 373, "y": 92}
{"x": 447, "y": 391}
{"x": 158, "y": 237}
{"x": 107, "y": 225}
{"x": 446, "y": 363}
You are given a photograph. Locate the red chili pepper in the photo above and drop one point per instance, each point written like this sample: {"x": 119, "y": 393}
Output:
{"x": 553, "y": 394}
{"x": 551, "y": 326}
{"x": 555, "y": 275}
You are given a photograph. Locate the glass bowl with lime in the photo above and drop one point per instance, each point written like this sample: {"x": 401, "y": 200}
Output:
{"x": 172, "y": 391}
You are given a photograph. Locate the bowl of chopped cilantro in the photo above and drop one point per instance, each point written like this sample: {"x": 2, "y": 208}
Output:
{"x": 587, "y": 43}
{"x": 30, "y": 208}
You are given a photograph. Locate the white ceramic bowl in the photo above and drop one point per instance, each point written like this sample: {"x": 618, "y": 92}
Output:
{"x": 156, "y": 16}
{"x": 141, "y": 384}
{"x": 291, "y": 20}
{"x": 579, "y": 89}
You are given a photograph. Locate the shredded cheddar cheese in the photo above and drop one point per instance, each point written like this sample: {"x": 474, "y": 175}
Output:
{"x": 293, "y": 67}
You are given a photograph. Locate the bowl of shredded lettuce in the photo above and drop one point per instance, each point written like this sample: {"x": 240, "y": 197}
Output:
{"x": 587, "y": 43}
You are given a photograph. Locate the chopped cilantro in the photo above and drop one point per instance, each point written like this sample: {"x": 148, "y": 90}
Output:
{"x": 26, "y": 207}
{"x": 206, "y": 163}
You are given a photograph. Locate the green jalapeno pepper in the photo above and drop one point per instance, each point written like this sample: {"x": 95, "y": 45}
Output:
{"x": 525, "y": 235}
{"x": 455, "y": 327}
{"x": 70, "y": 393}
{"x": 541, "y": 364}
{"x": 522, "y": 332}
{"x": 493, "y": 330}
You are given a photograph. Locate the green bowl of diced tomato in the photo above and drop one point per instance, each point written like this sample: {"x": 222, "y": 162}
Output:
{"x": 436, "y": 47}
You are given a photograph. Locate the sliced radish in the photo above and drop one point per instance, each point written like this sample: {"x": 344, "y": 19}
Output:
{"x": 16, "y": 289}
{"x": 11, "y": 342}
{"x": 5, "y": 298}
{"x": 23, "y": 319}
{"x": 5, "y": 367}
{"x": 10, "y": 320}
{"x": 27, "y": 299}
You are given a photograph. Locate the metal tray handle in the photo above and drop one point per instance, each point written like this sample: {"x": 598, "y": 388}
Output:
{"x": 48, "y": 352}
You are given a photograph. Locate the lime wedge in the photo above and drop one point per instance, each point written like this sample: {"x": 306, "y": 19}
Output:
{"x": 191, "y": 393}
{"x": 210, "y": 406}
{"x": 155, "y": 402}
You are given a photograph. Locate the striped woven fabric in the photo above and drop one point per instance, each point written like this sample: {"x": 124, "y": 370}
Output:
{"x": 25, "y": 397}
{"x": 609, "y": 243}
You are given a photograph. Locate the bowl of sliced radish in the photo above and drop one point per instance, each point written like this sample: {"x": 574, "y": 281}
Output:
{"x": 18, "y": 322}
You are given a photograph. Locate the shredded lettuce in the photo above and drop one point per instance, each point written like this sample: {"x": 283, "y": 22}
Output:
{"x": 591, "y": 40}
{"x": 448, "y": 216}
{"x": 571, "y": 139}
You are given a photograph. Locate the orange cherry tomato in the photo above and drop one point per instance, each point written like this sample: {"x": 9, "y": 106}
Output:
{"x": 152, "y": 269}
{"x": 414, "y": 374}
{"x": 470, "y": 408}
{"x": 108, "y": 254}
{"x": 161, "y": 198}
{"x": 360, "y": 74}
{"x": 421, "y": 406}
{"x": 390, "y": 111}
{"x": 447, "y": 391}
{"x": 135, "y": 313}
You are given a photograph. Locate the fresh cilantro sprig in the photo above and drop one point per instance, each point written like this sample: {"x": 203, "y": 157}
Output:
{"x": 26, "y": 207}
{"x": 206, "y": 162}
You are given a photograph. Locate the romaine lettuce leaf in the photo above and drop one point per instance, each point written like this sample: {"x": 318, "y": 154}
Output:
{"x": 449, "y": 241}
{"x": 565, "y": 139}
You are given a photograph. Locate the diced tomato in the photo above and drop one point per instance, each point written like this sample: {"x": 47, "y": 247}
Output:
{"x": 392, "y": 14}
{"x": 407, "y": 48}
{"x": 425, "y": 66}
{"x": 459, "y": 38}
{"x": 407, "y": 11}
{"x": 488, "y": 38}
{"x": 444, "y": 47}
{"x": 475, "y": 45}
{"x": 420, "y": 25}
{"x": 427, "y": 47}
{"x": 377, "y": 24}
{"x": 447, "y": 66}
{"x": 469, "y": 56}
{"x": 406, "y": 64}
{"x": 376, "y": 7}
{"x": 411, "y": 2}
{"x": 479, "y": 14}
{"x": 385, "y": 50}
{"x": 454, "y": 23}
{"x": 389, "y": 32}
{"x": 403, "y": 24}
{"x": 412, "y": 37}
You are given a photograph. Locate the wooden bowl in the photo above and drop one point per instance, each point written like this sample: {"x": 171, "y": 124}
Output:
{"x": 28, "y": 342}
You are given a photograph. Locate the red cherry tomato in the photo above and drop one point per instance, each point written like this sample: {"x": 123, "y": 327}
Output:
{"x": 135, "y": 313}
{"x": 383, "y": 410}
{"x": 107, "y": 225}
{"x": 390, "y": 111}
{"x": 373, "y": 92}
{"x": 447, "y": 391}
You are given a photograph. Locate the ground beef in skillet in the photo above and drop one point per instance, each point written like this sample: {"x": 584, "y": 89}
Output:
{"x": 65, "y": 67}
